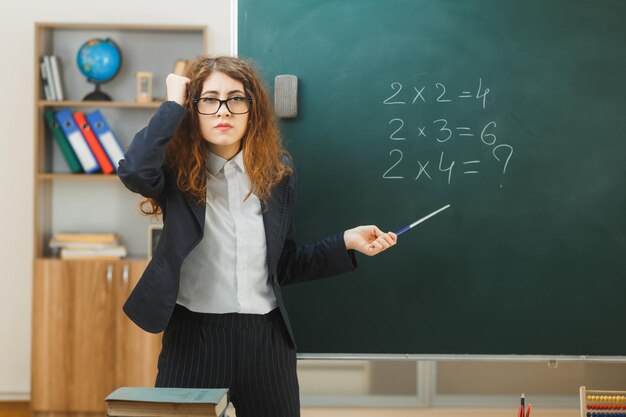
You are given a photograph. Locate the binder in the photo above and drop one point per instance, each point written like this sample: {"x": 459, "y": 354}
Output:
{"x": 64, "y": 144}
{"x": 108, "y": 140}
{"x": 94, "y": 144}
{"x": 56, "y": 77}
{"x": 78, "y": 142}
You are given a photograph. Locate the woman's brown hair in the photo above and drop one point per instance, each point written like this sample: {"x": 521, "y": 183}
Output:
{"x": 263, "y": 150}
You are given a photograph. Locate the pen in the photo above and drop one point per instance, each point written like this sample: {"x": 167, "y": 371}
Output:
{"x": 522, "y": 404}
{"x": 405, "y": 228}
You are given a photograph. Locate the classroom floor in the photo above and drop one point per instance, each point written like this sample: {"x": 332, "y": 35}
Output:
{"x": 20, "y": 409}
{"x": 14, "y": 409}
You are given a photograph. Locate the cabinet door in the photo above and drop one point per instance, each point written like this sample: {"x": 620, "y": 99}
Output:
{"x": 92, "y": 333}
{"x": 51, "y": 359}
{"x": 73, "y": 335}
{"x": 137, "y": 350}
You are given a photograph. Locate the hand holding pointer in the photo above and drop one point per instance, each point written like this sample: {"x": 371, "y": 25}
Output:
{"x": 369, "y": 240}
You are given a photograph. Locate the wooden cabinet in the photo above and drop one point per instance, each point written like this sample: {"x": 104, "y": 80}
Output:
{"x": 83, "y": 344}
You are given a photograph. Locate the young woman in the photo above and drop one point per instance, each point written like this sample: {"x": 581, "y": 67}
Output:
{"x": 212, "y": 163}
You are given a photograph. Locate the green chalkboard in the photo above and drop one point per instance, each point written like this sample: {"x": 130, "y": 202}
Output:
{"x": 512, "y": 112}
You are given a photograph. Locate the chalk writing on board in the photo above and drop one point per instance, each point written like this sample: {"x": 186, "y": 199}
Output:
{"x": 393, "y": 137}
{"x": 441, "y": 131}
{"x": 385, "y": 175}
{"x": 440, "y": 89}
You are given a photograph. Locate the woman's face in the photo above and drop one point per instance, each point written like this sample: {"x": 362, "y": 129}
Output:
{"x": 223, "y": 130}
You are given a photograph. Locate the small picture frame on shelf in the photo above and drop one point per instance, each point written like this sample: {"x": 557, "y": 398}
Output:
{"x": 154, "y": 234}
{"x": 144, "y": 86}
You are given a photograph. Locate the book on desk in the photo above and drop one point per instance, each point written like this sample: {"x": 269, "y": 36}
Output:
{"x": 167, "y": 402}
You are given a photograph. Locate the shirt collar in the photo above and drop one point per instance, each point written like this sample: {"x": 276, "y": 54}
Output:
{"x": 215, "y": 163}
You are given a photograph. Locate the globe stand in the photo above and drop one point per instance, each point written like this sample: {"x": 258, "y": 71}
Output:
{"x": 97, "y": 95}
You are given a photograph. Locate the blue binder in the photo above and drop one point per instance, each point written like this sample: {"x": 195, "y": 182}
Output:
{"x": 77, "y": 140}
{"x": 106, "y": 137}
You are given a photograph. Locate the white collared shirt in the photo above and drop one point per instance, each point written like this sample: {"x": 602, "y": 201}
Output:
{"x": 227, "y": 271}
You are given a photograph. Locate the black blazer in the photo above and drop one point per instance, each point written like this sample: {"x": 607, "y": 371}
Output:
{"x": 151, "y": 303}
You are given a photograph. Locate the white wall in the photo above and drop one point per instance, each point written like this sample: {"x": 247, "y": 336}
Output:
{"x": 16, "y": 143}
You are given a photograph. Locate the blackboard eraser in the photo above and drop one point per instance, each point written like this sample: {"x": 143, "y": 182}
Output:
{"x": 286, "y": 96}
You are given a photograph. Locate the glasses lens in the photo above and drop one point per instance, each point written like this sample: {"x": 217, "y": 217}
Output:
{"x": 208, "y": 105}
{"x": 238, "y": 105}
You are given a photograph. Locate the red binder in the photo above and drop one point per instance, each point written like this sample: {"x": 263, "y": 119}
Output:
{"x": 94, "y": 143}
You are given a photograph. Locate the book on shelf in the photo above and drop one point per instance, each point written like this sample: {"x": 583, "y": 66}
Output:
{"x": 61, "y": 140}
{"x": 46, "y": 80}
{"x": 55, "y": 65}
{"x": 56, "y": 244}
{"x": 112, "y": 252}
{"x": 51, "y": 76}
{"x": 86, "y": 237}
{"x": 47, "y": 72}
{"x": 167, "y": 402}
{"x": 87, "y": 246}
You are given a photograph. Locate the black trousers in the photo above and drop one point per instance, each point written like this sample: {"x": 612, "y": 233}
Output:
{"x": 249, "y": 354}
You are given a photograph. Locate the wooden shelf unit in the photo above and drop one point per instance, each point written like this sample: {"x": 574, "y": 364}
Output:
{"x": 124, "y": 115}
{"x": 83, "y": 344}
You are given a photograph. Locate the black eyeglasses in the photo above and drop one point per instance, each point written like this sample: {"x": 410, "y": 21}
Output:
{"x": 210, "y": 105}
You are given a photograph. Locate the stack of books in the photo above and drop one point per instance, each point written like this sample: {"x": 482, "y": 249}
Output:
{"x": 87, "y": 245}
{"x": 167, "y": 402}
{"x": 51, "y": 78}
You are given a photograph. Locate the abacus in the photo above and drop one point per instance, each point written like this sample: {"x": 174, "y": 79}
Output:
{"x": 602, "y": 403}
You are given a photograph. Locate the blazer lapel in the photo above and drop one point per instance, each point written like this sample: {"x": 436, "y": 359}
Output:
{"x": 273, "y": 220}
{"x": 199, "y": 212}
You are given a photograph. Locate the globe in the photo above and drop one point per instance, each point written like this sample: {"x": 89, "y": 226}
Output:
{"x": 100, "y": 61}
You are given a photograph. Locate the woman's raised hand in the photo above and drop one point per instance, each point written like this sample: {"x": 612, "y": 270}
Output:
{"x": 177, "y": 88}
